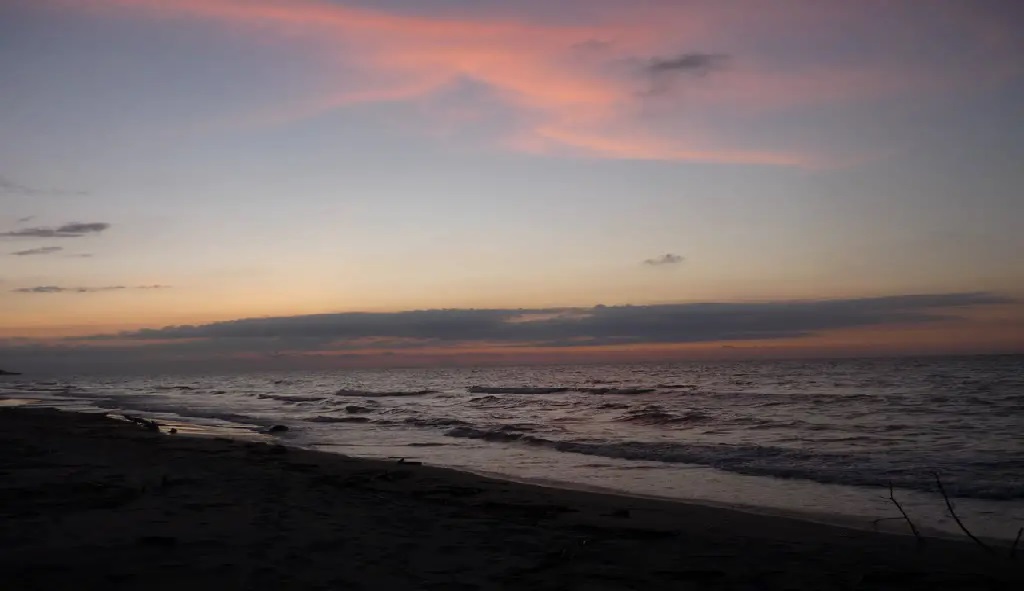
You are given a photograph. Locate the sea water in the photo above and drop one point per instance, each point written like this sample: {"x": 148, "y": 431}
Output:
{"x": 821, "y": 439}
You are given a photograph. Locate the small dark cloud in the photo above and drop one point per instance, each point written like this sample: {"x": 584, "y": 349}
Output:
{"x": 26, "y": 219}
{"x": 665, "y": 259}
{"x": 664, "y": 72}
{"x": 688, "y": 63}
{"x": 154, "y": 286}
{"x": 83, "y": 255}
{"x": 40, "y": 250}
{"x": 10, "y": 187}
{"x": 70, "y": 230}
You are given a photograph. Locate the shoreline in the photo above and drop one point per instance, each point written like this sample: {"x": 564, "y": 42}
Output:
{"x": 250, "y": 433}
{"x": 894, "y": 527}
{"x": 95, "y": 502}
{"x": 817, "y": 518}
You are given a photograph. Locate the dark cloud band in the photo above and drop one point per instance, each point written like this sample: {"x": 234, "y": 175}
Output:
{"x": 600, "y": 325}
{"x": 325, "y": 340}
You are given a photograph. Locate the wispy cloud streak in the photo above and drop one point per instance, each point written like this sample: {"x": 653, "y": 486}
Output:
{"x": 38, "y": 251}
{"x": 70, "y": 230}
{"x": 59, "y": 289}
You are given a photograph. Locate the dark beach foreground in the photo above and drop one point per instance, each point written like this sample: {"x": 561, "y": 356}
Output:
{"x": 90, "y": 502}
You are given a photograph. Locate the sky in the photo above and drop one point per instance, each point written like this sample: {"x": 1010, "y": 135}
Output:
{"x": 318, "y": 183}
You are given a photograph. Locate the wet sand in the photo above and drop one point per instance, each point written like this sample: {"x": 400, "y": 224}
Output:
{"x": 89, "y": 502}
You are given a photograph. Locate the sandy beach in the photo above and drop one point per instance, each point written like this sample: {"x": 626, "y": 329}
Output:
{"x": 91, "y": 502}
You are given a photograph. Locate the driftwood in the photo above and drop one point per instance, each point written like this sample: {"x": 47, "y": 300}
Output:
{"x": 144, "y": 423}
{"x": 952, "y": 513}
{"x": 913, "y": 528}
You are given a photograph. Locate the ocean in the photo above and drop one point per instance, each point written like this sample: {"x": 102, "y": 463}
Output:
{"x": 821, "y": 440}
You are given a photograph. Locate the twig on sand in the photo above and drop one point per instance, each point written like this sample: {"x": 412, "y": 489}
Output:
{"x": 913, "y": 528}
{"x": 1013, "y": 548}
{"x": 952, "y": 513}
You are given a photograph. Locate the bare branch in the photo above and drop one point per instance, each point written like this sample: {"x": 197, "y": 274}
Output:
{"x": 952, "y": 513}
{"x": 1013, "y": 548}
{"x": 913, "y": 528}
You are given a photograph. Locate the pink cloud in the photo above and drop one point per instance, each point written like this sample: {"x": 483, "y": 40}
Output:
{"x": 577, "y": 89}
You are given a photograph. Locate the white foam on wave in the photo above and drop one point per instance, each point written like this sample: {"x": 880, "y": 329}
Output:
{"x": 778, "y": 462}
{"x": 383, "y": 393}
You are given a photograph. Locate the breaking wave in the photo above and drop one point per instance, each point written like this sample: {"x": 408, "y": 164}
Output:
{"x": 499, "y": 435}
{"x": 557, "y": 390}
{"x": 656, "y": 415}
{"x": 327, "y": 419}
{"x": 284, "y": 398}
{"x": 637, "y": 390}
{"x": 504, "y": 390}
{"x": 436, "y": 422}
{"x": 383, "y": 393}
